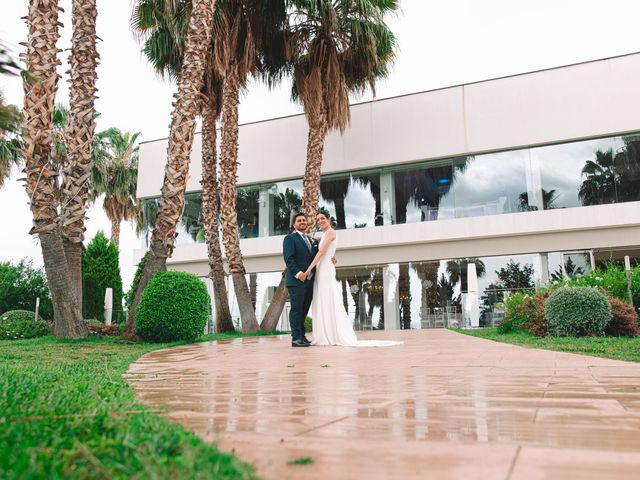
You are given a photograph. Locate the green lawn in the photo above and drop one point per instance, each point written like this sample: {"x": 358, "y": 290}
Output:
{"x": 66, "y": 412}
{"x": 619, "y": 348}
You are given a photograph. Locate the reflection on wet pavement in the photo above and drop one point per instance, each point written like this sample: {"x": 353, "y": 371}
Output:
{"x": 443, "y": 405}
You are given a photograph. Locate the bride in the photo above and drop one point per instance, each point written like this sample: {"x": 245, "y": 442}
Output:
{"x": 331, "y": 323}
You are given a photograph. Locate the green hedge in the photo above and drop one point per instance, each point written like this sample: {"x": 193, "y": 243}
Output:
{"x": 174, "y": 306}
{"x": 19, "y": 324}
{"x": 101, "y": 270}
{"x": 577, "y": 311}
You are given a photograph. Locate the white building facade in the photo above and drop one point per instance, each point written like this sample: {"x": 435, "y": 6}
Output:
{"x": 444, "y": 200}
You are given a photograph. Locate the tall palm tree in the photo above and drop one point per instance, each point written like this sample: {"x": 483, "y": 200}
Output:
{"x": 41, "y": 85}
{"x": 242, "y": 28}
{"x": 549, "y": 198}
{"x": 115, "y": 175}
{"x": 332, "y": 48}
{"x": 182, "y": 129}
{"x": 81, "y": 126}
{"x": 163, "y": 24}
{"x": 336, "y": 47}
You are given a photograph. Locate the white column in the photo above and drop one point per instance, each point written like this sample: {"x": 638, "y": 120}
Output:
{"x": 390, "y": 294}
{"x": 265, "y": 213}
{"x": 543, "y": 277}
{"x": 472, "y": 294}
{"x": 387, "y": 198}
{"x": 108, "y": 306}
{"x": 534, "y": 183}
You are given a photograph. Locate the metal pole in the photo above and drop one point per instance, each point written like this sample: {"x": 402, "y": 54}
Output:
{"x": 627, "y": 269}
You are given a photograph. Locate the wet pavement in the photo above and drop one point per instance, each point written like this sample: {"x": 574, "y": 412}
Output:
{"x": 442, "y": 405}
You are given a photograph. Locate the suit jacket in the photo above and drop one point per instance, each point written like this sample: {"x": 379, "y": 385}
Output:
{"x": 297, "y": 256}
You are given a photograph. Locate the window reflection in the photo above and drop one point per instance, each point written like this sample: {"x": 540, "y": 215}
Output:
{"x": 286, "y": 200}
{"x": 247, "y": 208}
{"x": 353, "y": 200}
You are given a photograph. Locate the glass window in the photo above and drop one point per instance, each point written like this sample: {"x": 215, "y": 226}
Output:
{"x": 352, "y": 200}
{"x": 575, "y": 174}
{"x": 248, "y": 211}
{"x": 490, "y": 184}
{"x": 285, "y": 200}
{"x": 626, "y": 168}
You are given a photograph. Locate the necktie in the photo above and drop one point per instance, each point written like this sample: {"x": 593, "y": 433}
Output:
{"x": 306, "y": 240}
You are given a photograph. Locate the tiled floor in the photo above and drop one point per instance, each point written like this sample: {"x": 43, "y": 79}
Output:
{"x": 442, "y": 405}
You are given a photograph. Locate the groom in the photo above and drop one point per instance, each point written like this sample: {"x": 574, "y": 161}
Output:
{"x": 299, "y": 251}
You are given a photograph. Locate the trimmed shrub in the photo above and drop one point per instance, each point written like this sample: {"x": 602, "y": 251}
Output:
{"x": 308, "y": 324}
{"x": 577, "y": 311}
{"x": 101, "y": 270}
{"x": 19, "y": 324}
{"x": 20, "y": 285}
{"x": 174, "y": 306}
{"x": 519, "y": 307}
{"x": 128, "y": 297}
{"x": 19, "y": 315}
{"x": 624, "y": 321}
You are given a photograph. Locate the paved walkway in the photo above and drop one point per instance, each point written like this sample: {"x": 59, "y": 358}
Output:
{"x": 443, "y": 405}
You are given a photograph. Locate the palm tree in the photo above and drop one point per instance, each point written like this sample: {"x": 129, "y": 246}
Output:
{"x": 163, "y": 24}
{"x": 182, "y": 129}
{"x": 10, "y": 144}
{"x": 336, "y": 47}
{"x": 599, "y": 185}
{"x": 81, "y": 126}
{"x": 242, "y": 28}
{"x": 41, "y": 85}
{"x": 332, "y": 48}
{"x": 457, "y": 270}
{"x": 115, "y": 175}
{"x": 549, "y": 198}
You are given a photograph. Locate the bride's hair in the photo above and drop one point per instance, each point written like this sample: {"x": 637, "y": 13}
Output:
{"x": 327, "y": 215}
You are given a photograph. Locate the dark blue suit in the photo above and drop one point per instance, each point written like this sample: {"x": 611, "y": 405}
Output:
{"x": 298, "y": 257}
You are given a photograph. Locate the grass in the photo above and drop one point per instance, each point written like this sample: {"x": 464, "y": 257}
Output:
{"x": 618, "y": 348}
{"x": 302, "y": 461}
{"x": 67, "y": 412}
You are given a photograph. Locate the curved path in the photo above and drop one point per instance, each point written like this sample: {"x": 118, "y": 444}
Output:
{"x": 443, "y": 405}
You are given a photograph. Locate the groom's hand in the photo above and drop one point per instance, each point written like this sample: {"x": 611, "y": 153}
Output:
{"x": 302, "y": 276}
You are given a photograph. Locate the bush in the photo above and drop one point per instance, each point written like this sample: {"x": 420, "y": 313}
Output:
{"x": 624, "y": 321}
{"x": 174, "y": 306}
{"x": 128, "y": 297}
{"x": 536, "y": 323}
{"x": 19, "y": 315}
{"x": 19, "y": 324}
{"x": 518, "y": 309}
{"x": 613, "y": 280}
{"x": 100, "y": 328}
{"x": 308, "y": 324}
{"x": 101, "y": 270}
{"x": 577, "y": 311}
{"x": 20, "y": 285}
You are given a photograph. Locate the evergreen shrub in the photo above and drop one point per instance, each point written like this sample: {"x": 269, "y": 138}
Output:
{"x": 174, "y": 306}
{"x": 577, "y": 311}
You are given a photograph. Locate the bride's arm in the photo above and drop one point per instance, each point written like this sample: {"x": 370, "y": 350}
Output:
{"x": 331, "y": 235}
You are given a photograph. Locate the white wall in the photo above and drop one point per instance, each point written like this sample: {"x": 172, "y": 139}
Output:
{"x": 592, "y": 99}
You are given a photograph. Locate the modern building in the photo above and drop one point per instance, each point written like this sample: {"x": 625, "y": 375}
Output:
{"x": 444, "y": 199}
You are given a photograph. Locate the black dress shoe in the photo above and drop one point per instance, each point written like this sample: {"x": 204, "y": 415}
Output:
{"x": 306, "y": 340}
{"x": 299, "y": 343}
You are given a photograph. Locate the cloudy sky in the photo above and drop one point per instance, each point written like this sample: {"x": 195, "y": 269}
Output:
{"x": 441, "y": 43}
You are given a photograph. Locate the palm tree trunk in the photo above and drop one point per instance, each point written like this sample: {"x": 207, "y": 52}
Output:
{"x": 209, "y": 184}
{"x": 115, "y": 233}
{"x": 77, "y": 172}
{"x": 311, "y": 184}
{"x": 229, "y": 169}
{"x": 311, "y": 191}
{"x": 272, "y": 316}
{"x": 183, "y": 124}
{"x": 41, "y": 85}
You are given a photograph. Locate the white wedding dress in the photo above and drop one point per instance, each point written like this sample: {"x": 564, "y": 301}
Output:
{"x": 331, "y": 323}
